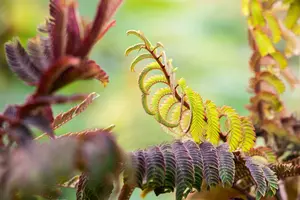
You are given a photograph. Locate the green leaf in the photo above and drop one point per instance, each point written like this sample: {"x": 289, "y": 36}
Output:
{"x": 151, "y": 81}
{"x": 235, "y": 135}
{"x": 272, "y": 181}
{"x": 249, "y": 136}
{"x": 144, "y": 73}
{"x": 280, "y": 59}
{"x": 213, "y": 122}
{"x": 256, "y": 13}
{"x": 197, "y": 108}
{"x": 269, "y": 98}
{"x": 146, "y": 106}
{"x": 133, "y": 48}
{"x": 293, "y": 15}
{"x": 273, "y": 80}
{"x": 138, "y": 59}
{"x": 141, "y": 36}
{"x": 245, "y": 7}
{"x": 263, "y": 43}
{"x": 273, "y": 26}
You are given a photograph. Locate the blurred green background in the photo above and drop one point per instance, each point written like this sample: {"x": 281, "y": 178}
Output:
{"x": 207, "y": 40}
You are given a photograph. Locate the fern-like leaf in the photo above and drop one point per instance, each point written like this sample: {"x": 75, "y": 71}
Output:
{"x": 213, "y": 130}
{"x": 183, "y": 166}
{"x": 184, "y": 170}
{"x": 63, "y": 118}
{"x": 273, "y": 80}
{"x": 226, "y": 165}
{"x": 258, "y": 177}
{"x": 133, "y": 48}
{"x": 272, "y": 181}
{"x": 139, "y": 59}
{"x": 180, "y": 110}
{"x": 152, "y": 81}
{"x": 197, "y": 158}
{"x": 210, "y": 164}
{"x": 197, "y": 109}
{"x": 143, "y": 74}
{"x": 249, "y": 136}
{"x": 235, "y": 135}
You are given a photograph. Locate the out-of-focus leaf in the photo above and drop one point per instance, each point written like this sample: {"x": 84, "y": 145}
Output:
{"x": 256, "y": 13}
{"x": 290, "y": 77}
{"x": 63, "y": 118}
{"x": 272, "y": 80}
{"x": 245, "y": 7}
{"x": 265, "y": 152}
{"x": 105, "y": 11}
{"x": 263, "y": 42}
{"x": 53, "y": 73}
{"x": 58, "y": 31}
{"x": 292, "y": 41}
{"x": 280, "y": 59}
{"x": 293, "y": 15}
{"x": 274, "y": 26}
{"x": 97, "y": 154}
{"x": 268, "y": 97}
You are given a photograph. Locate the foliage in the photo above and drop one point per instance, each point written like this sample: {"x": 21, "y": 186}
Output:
{"x": 181, "y": 110}
{"x": 206, "y": 154}
{"x": 187, "y": 166}
{"x": 269, "y": 62}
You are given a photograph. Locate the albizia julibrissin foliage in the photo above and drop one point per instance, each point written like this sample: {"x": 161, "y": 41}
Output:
{"x": 273, "y": 34}
{"x": 187, "y": 167}
{"x": 91, "y": 159}
{"x": 56, "y": 57}
{"x": 181, "y": 110}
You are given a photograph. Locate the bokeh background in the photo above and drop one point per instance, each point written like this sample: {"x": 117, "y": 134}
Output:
{"x": 207, "y": 40}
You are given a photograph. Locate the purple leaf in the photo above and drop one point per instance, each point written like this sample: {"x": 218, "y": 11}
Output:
{"x": 20, "y": 63}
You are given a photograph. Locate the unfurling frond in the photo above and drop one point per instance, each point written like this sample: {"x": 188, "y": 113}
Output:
{"x": 186, "y": 166}
{"x": 179, "y": 109}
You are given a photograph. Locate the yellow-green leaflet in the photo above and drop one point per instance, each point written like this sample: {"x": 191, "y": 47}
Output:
{"x": 133, "y": 48}
{"x": 248, "y": 140}
{"x": 213, "y": 122}
{"x": 138, "y": 59}
{"x": 265, "y": 45}
{"x": 143, "y": 74}
{"x": 234, "y": 136}
{"x": 197, "y": 122}
{"x": 145, "y": 105}
{"x": 157, "y": 96}
{"x": 162, "y": 112}
{"x": 274, "y": 26}
{"x": 273, "y": 80}
{"x": 151, "y": 81}
{"x": 141, "y": 36}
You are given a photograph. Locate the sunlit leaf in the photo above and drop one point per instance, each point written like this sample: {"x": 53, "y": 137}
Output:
{"x": 293, "y": 15}
{"x": 274, "y": 26}
{"x": 263, "y": 42}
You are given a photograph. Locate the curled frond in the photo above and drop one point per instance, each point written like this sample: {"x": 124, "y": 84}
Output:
{"x": 179, "y": 109}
